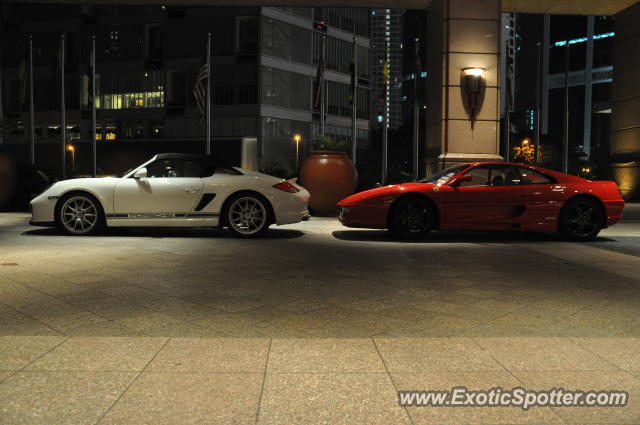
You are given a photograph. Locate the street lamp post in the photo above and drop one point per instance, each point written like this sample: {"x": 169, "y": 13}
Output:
{"x": 72, "y": 149}
{"x": 297, "y": 138}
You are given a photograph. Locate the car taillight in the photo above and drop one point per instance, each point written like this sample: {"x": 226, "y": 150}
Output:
{"x": 287, "y": 187}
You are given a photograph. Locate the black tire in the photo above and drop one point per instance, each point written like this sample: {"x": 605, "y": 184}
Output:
{"x": 581, "y": 219}
{"x": 411, "y": 217}
{"x": 79, "y": 214}
{"x": 252, "y": 207}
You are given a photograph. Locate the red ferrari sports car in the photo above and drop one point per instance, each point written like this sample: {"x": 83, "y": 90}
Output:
{"x": 488, "y": 196}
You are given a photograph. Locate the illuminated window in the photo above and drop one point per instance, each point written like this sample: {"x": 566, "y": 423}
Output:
{"x": 131, "y": 91}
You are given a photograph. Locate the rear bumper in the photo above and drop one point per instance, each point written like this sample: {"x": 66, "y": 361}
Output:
{"x": 291, "y": 208}
{"x": 613, "y": 210}
{"x": 292, "y": 217}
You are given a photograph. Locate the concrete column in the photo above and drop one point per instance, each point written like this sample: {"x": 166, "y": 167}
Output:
{"x": 462, "y": 34}
{"x": 625, "y": 122}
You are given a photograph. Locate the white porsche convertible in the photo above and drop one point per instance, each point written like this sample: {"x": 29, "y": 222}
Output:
{"x": 173, "y": 190}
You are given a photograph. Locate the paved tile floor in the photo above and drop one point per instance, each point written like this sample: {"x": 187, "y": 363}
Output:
{"x": 313, "y": 324}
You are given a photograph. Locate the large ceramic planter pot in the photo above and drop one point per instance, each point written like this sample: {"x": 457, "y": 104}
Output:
{"x": 329, "y": 177}
{"x": 8, "y": 180}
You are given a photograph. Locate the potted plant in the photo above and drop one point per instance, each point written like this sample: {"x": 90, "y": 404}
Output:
{"x": 8, "y": 179}
{"x": 329, "y": 175}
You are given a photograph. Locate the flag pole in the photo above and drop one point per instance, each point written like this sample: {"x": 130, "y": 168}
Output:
{"x": 32, "y": 134}
{"x": 385, "y": 121}
{"x": 416, "y": 116}
{"x": 93, "y": 105}
{"x": 63, "y": 124}
{"x": 565, "y": 132}
{"x": 322, "y": 85}
{"x": 1, "y": 110}
{"x": 538, "y": 99}
{"x": 507, "y": 109}
{"x": 208, "y": 147}
{"x": 354, "y": 100}
{"x": 416, "y": 139}
{"x": 209, "y": 94}
{"x": 385, "y": 136}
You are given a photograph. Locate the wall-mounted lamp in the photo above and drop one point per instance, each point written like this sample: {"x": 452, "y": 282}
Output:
{"x": 473, "y": 91}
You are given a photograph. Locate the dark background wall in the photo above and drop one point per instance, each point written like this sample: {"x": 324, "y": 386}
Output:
{"x": 625, "y": 133}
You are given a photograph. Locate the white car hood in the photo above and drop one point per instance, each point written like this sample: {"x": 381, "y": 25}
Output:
{"x": 83, "y": 183}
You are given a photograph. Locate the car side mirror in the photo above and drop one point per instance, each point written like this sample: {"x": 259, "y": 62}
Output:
{"x": 462, "y": 179}
{"x": 140, "y": 174}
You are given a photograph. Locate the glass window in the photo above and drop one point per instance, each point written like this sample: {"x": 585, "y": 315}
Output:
{"x": 443, "y": 176}
{"x": 603, "y": 24}
{"x": 176, "y": 88}
{"x": 278, "y": 146}
{"x": 505, "y": 176}
{"x": 278, "y": 37}
{"x": 479, "y": 177}
{"x": 155, "y": 42}
{"x": 286, "y": 89}
{"x": 247, "y": 34}
{"x": 174, "y": 168}
{"x": 533, "y": 177}
{"x": 223, "y": 95}
{"x": 603, "y": 52}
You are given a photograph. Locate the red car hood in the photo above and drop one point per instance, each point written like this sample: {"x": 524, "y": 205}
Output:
{"x": 384, "y": 193}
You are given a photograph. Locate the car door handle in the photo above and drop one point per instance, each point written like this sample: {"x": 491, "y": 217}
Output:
{"x": 191, "y": 189}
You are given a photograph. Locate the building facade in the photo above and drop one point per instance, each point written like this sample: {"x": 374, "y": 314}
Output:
{"x": 387, "y": 47}
{"x": 579, "y": 55}
{"x": 264, "y": 63}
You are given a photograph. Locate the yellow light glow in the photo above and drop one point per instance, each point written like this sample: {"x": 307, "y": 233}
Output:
{"x": 139, "y": 102}
{"x": 297, "y": 138}
{"x": 525, "y": 142}
{"x": 476, "y": 72}
{"x": 70, "y": 148}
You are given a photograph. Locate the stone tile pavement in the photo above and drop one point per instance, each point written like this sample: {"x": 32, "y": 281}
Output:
{"x": 155, "y": 380}
{"x": 313, "y": 324}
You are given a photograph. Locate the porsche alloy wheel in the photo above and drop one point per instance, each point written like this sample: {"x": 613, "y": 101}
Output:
{"x": 80, "y": 215}
{"x": 247, "y": 216}
{"x": 581, "y": 219}
{"x": 411, "y": 218}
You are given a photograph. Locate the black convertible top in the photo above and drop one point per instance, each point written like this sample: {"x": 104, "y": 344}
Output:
{"x": 207, "y": 159}
{"x": 191, "y": 156}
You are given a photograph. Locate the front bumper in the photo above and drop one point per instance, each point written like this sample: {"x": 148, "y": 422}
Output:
{"x": 42, "y": 210}
{"x": 372, "y": 216}
{"x": 42, "y": 223}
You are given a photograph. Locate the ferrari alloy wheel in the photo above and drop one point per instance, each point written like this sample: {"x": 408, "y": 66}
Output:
{"x": 247, "y": 216}
{"x": 80, "y": 215}
{"x": 581, "y": 219}
{"x": 411, "y": 218}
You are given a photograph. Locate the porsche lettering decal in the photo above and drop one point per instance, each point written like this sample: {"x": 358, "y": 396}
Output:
{"x": 155, "y": 215}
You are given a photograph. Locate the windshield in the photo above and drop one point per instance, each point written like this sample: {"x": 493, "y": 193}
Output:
{"x": 125, "y": 173}
{"x": 444, "y": 175}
